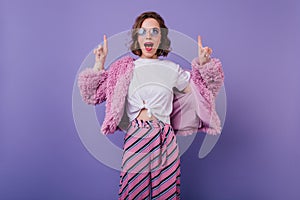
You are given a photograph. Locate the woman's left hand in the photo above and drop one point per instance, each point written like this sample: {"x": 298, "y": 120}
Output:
{"x": 203, "y": 52}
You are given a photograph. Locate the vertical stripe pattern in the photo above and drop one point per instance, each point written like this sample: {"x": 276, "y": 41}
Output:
{"x": 150, "y": 163}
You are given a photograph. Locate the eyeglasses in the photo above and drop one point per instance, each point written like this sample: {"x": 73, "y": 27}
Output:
{"x": 153, "y": 32}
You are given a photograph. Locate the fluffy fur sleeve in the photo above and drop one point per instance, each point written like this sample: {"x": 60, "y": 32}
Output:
{"x": 211, "y": 74}
{"x": 206, "y": 83}
{"x": 92, "y": 85}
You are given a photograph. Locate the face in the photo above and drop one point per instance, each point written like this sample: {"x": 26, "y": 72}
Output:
{"x": 149, "y": 37}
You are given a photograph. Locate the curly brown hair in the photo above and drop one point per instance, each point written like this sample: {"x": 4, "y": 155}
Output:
{"x": 164, "y": 47}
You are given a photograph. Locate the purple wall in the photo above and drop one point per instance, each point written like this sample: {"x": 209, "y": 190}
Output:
{"x": 43, "y": 43}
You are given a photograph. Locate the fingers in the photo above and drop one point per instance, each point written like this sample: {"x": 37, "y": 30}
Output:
{"x": 98, "y": 50}
{"x": 105, "y": 46}
{"x": 207, "y": 50}
{"x": 200, "y": 46}
{"x": 102, "y": 49}
{"x": 202, "y": 49}
{"x": 200, "y": 42}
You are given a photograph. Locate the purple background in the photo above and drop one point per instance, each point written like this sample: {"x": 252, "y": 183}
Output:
{"x": 43, "y": 44}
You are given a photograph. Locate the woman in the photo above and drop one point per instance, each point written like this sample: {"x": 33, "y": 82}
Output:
{"x": 159, "y": 99}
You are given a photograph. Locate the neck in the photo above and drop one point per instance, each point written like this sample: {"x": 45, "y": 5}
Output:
{"x": 149, "y": 57}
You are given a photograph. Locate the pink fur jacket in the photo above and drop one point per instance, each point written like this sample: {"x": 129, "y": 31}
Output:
{"x": 192, "y": 112}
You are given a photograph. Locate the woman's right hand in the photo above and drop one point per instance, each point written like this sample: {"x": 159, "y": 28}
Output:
{"x": 100, "y": 55}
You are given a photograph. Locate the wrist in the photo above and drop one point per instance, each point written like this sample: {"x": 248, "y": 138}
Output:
{"x": 98, "y": 65}
{"x": 203, "y": 61}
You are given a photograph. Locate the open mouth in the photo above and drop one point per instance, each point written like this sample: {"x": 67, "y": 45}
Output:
{"x": 148, "y": 46}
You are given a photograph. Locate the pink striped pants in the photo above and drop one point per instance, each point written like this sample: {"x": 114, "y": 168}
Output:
{"x": 150, "y": 164}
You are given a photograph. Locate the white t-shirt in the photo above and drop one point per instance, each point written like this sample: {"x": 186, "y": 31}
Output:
{"x": 152, "y": 87}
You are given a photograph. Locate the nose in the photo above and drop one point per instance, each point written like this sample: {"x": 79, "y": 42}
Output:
{"x": 148, "y": 35}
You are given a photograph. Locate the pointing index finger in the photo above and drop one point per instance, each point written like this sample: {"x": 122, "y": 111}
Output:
{"x": 200, "y": 42}
{"x": 104, "y": 42}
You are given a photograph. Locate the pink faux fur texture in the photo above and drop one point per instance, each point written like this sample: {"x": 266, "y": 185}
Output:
{"x": 118, "y": 82}
{"x": 211, "y": 73}
{"x": 90, "y": 82}
{"x": 112, "y": 86}
{"x": 208, "y": 80}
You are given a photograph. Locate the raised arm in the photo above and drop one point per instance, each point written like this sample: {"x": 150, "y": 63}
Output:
{"x": 92, "y": 81}
{"x": 207, "y": 69}
{"x": 206, "y": 80}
